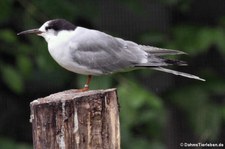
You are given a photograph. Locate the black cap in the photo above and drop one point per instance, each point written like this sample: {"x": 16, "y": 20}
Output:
{"x": 60, "y": 24}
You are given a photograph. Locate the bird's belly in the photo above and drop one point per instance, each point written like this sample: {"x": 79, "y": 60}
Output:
{"x": 74, "y": 67}
{"x": 63, "y": 58}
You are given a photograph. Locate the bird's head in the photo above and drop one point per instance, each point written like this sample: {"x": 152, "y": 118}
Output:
{"x": 51, "y": 28}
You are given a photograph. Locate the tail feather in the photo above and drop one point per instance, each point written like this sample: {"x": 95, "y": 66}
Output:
{"x": 178, "y": 73}
{"x": 158, "y": 61}
{"x": 174, "y": 62}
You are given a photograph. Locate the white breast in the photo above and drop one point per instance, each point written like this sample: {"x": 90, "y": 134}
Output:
{"x": 59, "y": 49}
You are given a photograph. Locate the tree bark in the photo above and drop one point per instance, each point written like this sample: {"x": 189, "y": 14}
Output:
{"x": 71, "y": 120}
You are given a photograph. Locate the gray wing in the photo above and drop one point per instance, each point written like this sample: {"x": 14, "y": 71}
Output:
{"x": 99, "y": 51}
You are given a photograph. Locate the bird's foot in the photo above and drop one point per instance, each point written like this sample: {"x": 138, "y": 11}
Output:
{"x": 86, "y": 88}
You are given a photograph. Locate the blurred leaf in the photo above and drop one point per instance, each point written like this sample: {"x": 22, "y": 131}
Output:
{"x": 9, "y": 144}
{"x": 8, "y": 36}
{"x": 195, "y": 40}
{"x": 219, "y": 38}
{"x": 202, "y": 114}
{"x": 12, "y": 79}
{"x": 132, "y": 89}
{"x": 24, "y": 64}
{"x": 42, "y": 56}
{"x": 139, "y": 108}
{"x": 184, "y": 97}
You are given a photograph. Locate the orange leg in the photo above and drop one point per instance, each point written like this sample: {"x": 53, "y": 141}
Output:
{"x": 86, "y": 86}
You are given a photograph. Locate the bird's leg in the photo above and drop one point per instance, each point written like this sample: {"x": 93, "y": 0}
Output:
{"x": 86, "y": 86}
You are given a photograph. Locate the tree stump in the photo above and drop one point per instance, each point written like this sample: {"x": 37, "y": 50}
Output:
{"x": 71, "y": 120}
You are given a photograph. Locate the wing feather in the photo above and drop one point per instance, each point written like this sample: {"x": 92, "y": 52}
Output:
{"x": 99, "y": 51}
{"x": 160, "y": 51}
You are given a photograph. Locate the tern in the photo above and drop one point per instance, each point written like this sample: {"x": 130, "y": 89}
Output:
{"x": 91, "y": 52}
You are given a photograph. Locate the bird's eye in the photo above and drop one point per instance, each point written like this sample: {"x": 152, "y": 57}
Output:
{"x": 48, "y": 27}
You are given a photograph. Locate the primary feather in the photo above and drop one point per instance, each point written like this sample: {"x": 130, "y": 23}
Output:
{"x": 160, "y": 51}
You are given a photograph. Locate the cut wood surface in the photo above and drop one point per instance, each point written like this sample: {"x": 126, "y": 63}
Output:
{"x": 72, "y": 120}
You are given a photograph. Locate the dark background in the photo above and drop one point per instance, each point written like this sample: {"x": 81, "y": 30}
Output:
{"x": 158, "y": 110}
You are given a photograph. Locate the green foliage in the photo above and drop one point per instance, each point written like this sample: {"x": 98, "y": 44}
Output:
{"x": 204, "y": 115}
{"x": 139, "y": 111}
{"x": 195, "y": 39}
{"x": 24, "y": 65}
{"x": 189, "y": 38}
{"x": 12, "y": 78}
{"x": 10, "y": 144}
{"x": 8, "y": 36}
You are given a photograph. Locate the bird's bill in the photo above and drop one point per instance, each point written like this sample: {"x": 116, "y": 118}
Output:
{"x": 31, "y": 31}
